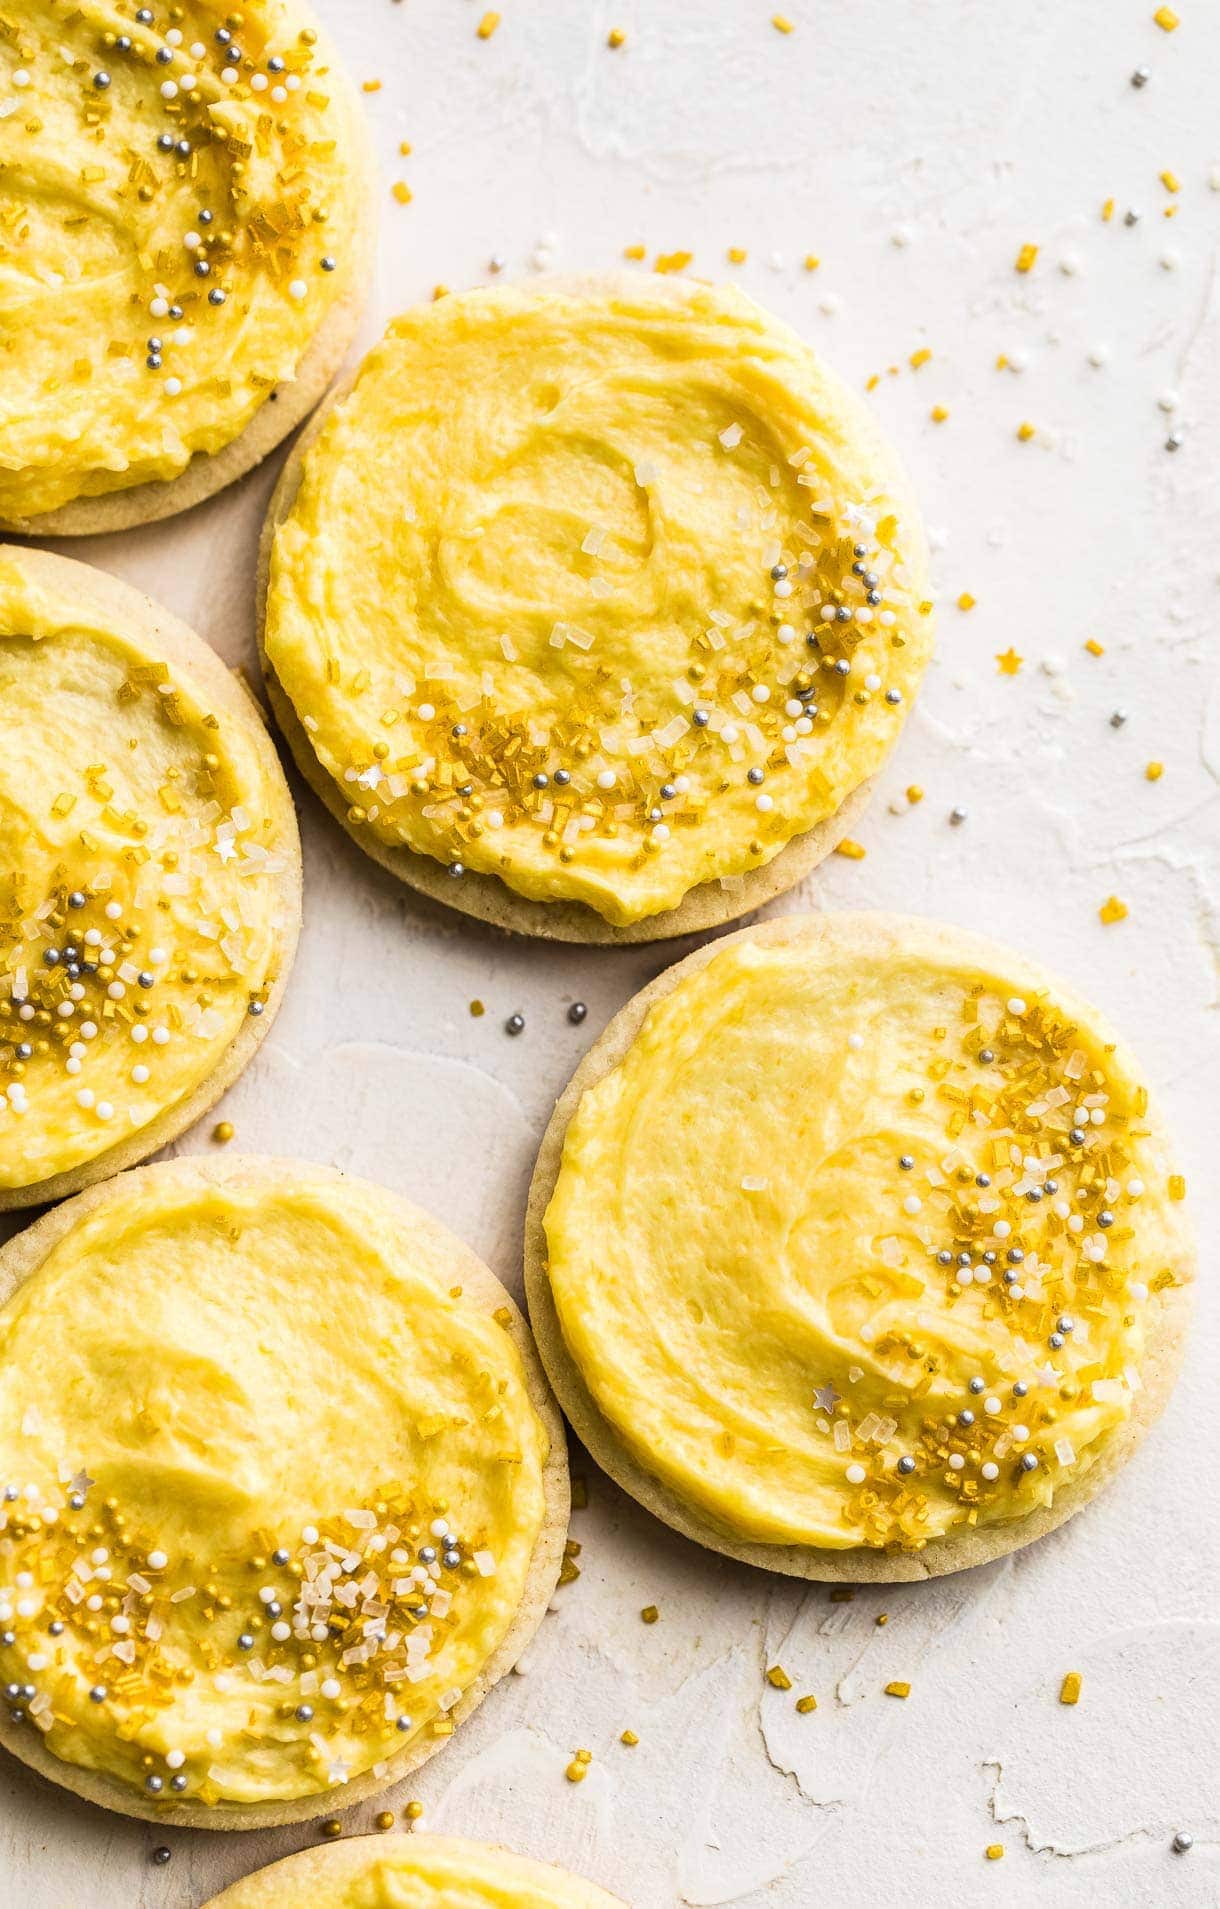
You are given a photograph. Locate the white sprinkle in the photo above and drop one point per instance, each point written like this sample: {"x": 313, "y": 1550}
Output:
{"x": 21, "y": 78}
{"x": 1016, "y": 1006}
{"x": 763, "y": 803}
{"x": 956, "y": 1462}
{"x": 329, "y": 1688}
{"x": 991, "y": 1406}
{"x": 169, "y": 89}
{"x": 157, "y": 1560}
{"x": 298, "y": 288}
{"x": 855, "y": 1042}
{"x": 172, "y": 387}
{"x": 990, "y": 1470}
{"x": 855, "y": 1474}
{"x": 912, "y": 1203}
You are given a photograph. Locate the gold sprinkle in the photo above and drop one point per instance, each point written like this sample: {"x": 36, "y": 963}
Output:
{"x": 782, "y": 23}
{"x": 1069, "y": 1689}
{"x": 898, "y": 1689}
{"x": 1112, "y": 909}
{"x": 1008, "y": 662}
{"x": 672, "y": 261}
{"x": 384, "y": 1819}
{"x": 332, "y": 1827}
{"x": 737, "y": 255}
{"x": 404, "y": 148}
{"x": 629, "y": 1738}
{"x": 778, "y": 1678}
{"x": 914, "y": 793}
{"x": 851, "y": 851}
{"x": 223, "y": 1132}
{"x": 1026, "y": 257}
{"x": 806, "y": 1704}
{"x": 650, "y": 1614}
{"x": 1166, "y": 19}
{"x": 1177, "y": 1186}
{"x": 616, "y": 37}
{"x": 401, "y": 191}
{"x": 939, "y": 413}
{"x": 635, "y": 251}
{"x": 1107, "y": 211}
{"x": 1025, "y": 431}
{"x": 993, "y": 1852}
{"x": 1094, "y": 647}
{"x": 1170, "y": 181}
{"x": 920, "y": 357}
{"x": 966, "y": 601}
{"x": 476, "y": 1009}
{"x": 1154, "y": 771}
{"x": 487, "y": 25}
{"x": 413, "y": 1811}
{"x": 812, "y": 261}
{"x": 370, "y": 86}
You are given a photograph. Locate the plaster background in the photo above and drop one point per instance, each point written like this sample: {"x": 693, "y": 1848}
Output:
{"x": 914, "y": 147}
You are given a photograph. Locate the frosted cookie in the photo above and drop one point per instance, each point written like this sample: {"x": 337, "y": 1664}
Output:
{"x": 412, "y": 1872}
{"x": 185, "y": 243}
{"x": 855, "y": 1250}
{"x": 150, "y": 877}
{"x": 284, "y": 1490}
{"x": 591, "y": 606}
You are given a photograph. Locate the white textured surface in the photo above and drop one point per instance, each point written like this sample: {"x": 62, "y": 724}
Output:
{"x": 914, "y": 147}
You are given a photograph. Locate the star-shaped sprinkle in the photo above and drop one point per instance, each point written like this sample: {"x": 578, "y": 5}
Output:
{"x": 338, "y": 1772}
{"x": 1008, "y": 661}
{"x": 82, "y": 1482}
{"x": 825, "y": 1398}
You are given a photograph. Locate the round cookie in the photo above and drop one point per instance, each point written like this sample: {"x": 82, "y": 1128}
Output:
{"x": 531, "y": 497}
{"x": 255, "y": 1396}
{"x": 784, "y": 1167}
{"x": 150, "y": 877}
{"x": 412, "y": 1872}
{"x": 265, "y": 227}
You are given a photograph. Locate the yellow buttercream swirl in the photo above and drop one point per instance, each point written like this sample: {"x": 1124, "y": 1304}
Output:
{"x": 143, "y": 846}
{"x": 152, "y": 299}
{"x": 607, "y": 593}
{"x": 278, "y": 1486}
{"x": 855, "y": 1243}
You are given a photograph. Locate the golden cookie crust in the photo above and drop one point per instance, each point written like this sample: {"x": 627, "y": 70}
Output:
{"x": 283, "y": 409}
{"x": 437, "y": 1248}
{"x": 485, "y": 897}
{"x": 869, "y": 937}
{"x": 300, "y": 1879}
{"x": 119, "y": 606}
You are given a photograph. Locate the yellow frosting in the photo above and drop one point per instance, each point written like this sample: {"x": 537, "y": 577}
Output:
{"x": 754, "y": 1285}
{"x": 565, "y": 572}
{"x": 218, "y": 1373}
{"x": 102, "y": 232}
{"x": 142, "y": 845}
{"x": 413, "y": 1872}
